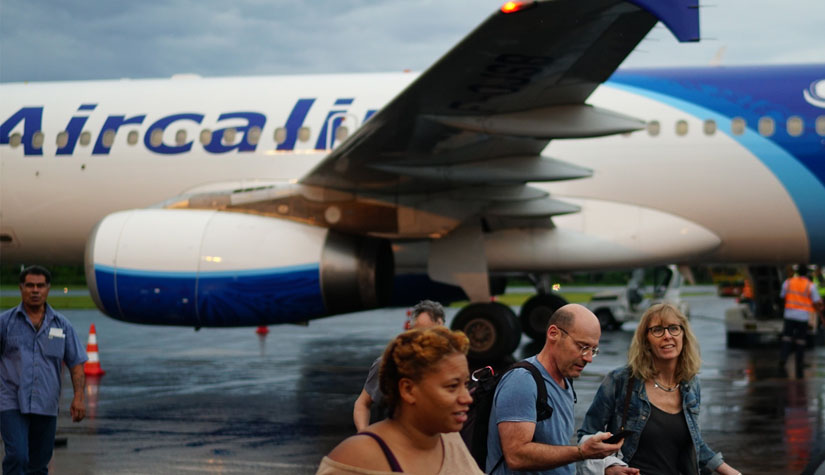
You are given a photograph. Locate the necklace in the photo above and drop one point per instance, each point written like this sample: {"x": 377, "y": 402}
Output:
{"x": 664, "y": 388}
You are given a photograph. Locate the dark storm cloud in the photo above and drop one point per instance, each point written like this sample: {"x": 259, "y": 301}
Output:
{"x": 87, "y": 40}
{"x": 51, "y": 40}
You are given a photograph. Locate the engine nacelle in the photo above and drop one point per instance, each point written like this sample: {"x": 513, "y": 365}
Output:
{"x": 207, "y": 268}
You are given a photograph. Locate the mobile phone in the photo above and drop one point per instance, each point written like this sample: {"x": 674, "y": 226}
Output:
{"x": 618, "y": 436}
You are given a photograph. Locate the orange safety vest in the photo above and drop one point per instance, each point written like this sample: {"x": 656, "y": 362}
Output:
{"x": 798, "y": 295}
{"x": 747, "y": 290}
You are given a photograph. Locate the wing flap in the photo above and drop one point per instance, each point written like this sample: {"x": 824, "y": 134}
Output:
{"x": 515, "y": 82}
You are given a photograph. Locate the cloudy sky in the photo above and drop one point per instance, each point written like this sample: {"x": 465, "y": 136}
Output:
{"x": 100, "y": 39}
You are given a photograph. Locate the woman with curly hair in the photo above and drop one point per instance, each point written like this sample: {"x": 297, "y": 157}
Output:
{"x": 424, "y": 378}
{"x": 656, "y": 397}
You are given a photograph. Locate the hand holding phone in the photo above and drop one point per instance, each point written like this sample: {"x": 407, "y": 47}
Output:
{"x": 617, "y": 437}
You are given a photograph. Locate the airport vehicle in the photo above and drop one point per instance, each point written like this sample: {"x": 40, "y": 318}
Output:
{"x": 729, "y": 280}
{"x": 265, "y": 200}
{"x": 616, "y": 307}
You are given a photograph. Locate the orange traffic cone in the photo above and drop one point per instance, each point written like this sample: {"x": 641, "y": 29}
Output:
{"x": 92, "y": 366}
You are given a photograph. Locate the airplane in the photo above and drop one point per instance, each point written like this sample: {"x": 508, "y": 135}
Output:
{"x": 522, "y": 151}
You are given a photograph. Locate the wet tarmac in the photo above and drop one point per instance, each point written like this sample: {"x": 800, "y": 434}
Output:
{"x": 228, "y": 401}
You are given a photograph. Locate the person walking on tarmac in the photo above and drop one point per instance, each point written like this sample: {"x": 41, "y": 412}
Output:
{"x": 34, "y": 343}
{"x": 425, "y": 314}
{"x": 801, "y": 302}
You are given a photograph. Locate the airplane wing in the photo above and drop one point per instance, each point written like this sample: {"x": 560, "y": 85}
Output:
{"x": 483, "y": 112}
{"x": 465, "y": 137}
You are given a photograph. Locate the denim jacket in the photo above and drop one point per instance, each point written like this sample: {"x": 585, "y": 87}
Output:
{"x": 605, "y": 414}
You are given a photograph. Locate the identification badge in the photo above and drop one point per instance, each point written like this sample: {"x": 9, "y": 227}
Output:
{"x": 56, "y": 333}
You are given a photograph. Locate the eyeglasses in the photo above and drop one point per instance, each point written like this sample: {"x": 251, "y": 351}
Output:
{"x": 658, "y": 330}
{"x": 585, "y": 349}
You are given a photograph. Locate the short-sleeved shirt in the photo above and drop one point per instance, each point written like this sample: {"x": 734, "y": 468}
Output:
{"x": 515, "y": 401}
{"x": 795, "y": 313}
{"x": 30, "y": 360}
{"x": 371, "y": 386}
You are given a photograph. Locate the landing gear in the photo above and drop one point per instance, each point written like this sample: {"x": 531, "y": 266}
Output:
{"x": 492, "y": 328}
{"x": 536, "y": 312}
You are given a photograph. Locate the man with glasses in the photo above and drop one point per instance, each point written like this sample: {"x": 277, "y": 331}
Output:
{"x": 516, "y": 440}
{"x": 34, "y": 343}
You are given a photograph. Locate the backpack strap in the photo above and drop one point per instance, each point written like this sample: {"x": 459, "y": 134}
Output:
{"x": 543, "y": 409}
{"x": 630, "y": 383}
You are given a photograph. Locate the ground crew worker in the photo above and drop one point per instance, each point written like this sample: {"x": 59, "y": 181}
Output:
{"x": 34, "y": 343}
{"x": 747, "y": 295}
{"x": 801, "y": 302}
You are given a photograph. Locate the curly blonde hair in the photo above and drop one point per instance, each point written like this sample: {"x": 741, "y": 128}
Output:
{"x": 640, "y": 356}
{"x": 412, "y": 354}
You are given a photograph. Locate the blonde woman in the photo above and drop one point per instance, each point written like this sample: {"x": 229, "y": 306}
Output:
{"x": 423, "y": 377}
{"x": 656, "y": 397}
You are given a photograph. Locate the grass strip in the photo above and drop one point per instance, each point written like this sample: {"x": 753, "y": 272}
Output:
{"x": 58, "y": 302}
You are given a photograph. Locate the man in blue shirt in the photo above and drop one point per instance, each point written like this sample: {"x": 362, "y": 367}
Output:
{"x": 34, "y": 342}
{"x": 516, "y": 442}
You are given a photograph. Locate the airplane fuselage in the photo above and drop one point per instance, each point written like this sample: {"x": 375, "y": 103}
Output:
{"x": 75, "y": 152}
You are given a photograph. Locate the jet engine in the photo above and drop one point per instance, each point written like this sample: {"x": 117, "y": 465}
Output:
{"x": 207, "y": 268}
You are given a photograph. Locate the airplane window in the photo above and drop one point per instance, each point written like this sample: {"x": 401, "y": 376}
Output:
{"x": 681, "y": 127}
{"x": 254, "y": 135}
{"x": 709, "y": 127}
{"x": 279, "y": 135}
{"x": 108, "y": 138}
{"x": 737, "y": 126}
{"x": 85, "y": 138}
{"x": 206, "y": 136}
{"x": 341, "y": 133}
{"x": 14, "y": 140}
{"x": 303, "y": 134}
{"x": 180, "y": 137}
{"x": 820, "y": 125}
{"x": 62, "y": 139}
{"x": 795, "y": 126}
{"x": 766, "y": 126}
{"x": 132, "y": 138}
{"x": 156, "y": 138}
{"x": 229, "y": 136}
{"x": 37, "y": 139}
{"x": 653, "y": 128}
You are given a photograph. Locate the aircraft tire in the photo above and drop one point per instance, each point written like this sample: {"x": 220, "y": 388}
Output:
{"x": 492, "y": 328}
{"x": 536, "y": 312}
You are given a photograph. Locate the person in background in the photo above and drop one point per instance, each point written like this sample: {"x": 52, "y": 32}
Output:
{"x": 423, "y": 377}
{"x": 802, "y": 303}
{"x": 34, "y": 343}
{"x": 425, "y": 314}
{"x": 662, "y": 407}
{"x": 516, "y": 439}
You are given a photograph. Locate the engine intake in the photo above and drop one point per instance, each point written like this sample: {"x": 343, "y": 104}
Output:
{"x": 207, "y": 268}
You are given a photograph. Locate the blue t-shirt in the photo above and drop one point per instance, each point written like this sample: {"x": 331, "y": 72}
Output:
{"x": 515, "y": 401}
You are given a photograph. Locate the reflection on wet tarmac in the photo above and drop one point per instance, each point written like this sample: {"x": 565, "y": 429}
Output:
{"x": 228, "y": 401}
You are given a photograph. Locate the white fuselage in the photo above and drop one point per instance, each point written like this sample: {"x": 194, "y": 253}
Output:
{"x": 49, "y": 203}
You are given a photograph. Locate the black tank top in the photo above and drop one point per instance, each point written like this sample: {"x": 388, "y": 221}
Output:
{"x": 665, "y": 447}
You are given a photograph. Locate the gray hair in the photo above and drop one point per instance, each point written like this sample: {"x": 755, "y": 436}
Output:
{"x": 433, "y": 308}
